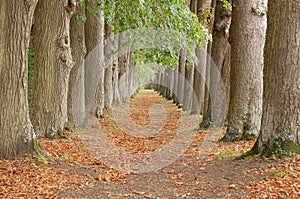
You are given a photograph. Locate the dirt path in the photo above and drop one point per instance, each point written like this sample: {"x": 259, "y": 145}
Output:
{"x": 147, "y": 149}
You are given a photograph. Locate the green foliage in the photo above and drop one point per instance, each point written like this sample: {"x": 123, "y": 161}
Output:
{"x": 226, "y": 4}
{"x": 173, "y": 15}
{"x": 282, "y": 147}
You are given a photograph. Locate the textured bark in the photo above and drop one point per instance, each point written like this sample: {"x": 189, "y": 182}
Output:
{"x": 207, "y": 103}
{"x": 280, "y": 128}
{"x": 94, "y": 63}
{"x": 170, "y": 83}
{"x": 181, "y": 76}
{"x": 115, "y": 71}
{"x": 76, "y": 97}
{"x": 52, "y": 65}
{"x": 220, "y": 61}
{"x": 247, "y": 36}
{"x": 123, "y": 63}
{"x": 108, "y": 76}
{"x": 199, "y": 82}
{"x": 175, "y": 86}
{"x": 162, "y": 83}
{"x": 188, "y": 88}
{"x": 16, "y": 133}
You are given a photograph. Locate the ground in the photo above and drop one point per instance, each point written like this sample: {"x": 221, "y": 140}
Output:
{"x": 147, "y": 164}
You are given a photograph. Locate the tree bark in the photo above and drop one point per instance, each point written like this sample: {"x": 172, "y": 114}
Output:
{"x": 115, "y": 71}
{"x": 108, "y": 76}
{"x": 199, "y": 82}
{"x": 52, "y": 66}
{"x": 175, "y": 86}
{"x": 220, "y": 62}
{"x": 247, "y": 36}
{"x": 188, "y": 88}
{"x": 94, "y": 63}
{"x": 170, "y": 83}
{"x": 280, "y": 128}
{"x": 181, "y": 76}
{"x": 16, "y": 133}
{"x": 76, "y": 97}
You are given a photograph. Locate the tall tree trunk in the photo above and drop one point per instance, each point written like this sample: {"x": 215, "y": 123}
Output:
{"x": 188, "y": 88}
{"x": 16, "y": 133}
{"x": 281, "y": 108}
{"x": 175, "y": 86}
{"x": 94, "y": 63}
{"x": 115, "y": 71}
{"x": 76, "y": 98}
{"x": 199, "y": 82}
{"x": 170, "y": 83}
{"x": 220, "y": 61}
{"x": 123, "y": 67}
{"x": 52, "y": 65}
{"x": 109, "y": 55}
{"x": 247, "y": 36}
{"x": 181, "y": 76}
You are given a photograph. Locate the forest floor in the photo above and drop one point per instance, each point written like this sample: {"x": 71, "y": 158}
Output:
{"x": 174, "y": 161}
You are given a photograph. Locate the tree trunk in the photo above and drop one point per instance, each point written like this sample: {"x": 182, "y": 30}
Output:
{"x": 109, "y": 55}
{"x": 175, "y": 86}
{"x": 188, "y": 88}
{"x": 170, "y": 83}
{"x": 199, "y": 82}
{"x": 76, "y": 98}
{"x": 16, "y": 133}
{"x": 247, "y": 36}
{"x": 281, "y": 108}
{"x": 115, "y": 71}
{"x": 220, "y": 62}
{"x": 181, "y": 76}
{"x": 94, "y": 63}
{"x": 52, "y": 65}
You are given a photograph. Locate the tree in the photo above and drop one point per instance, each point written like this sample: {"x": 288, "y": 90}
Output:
{"x": 16, "y": 133}
{"x": 52, "y": 66}
{"x": 94, "y": 62}
{"x": 247, "y": 37}
{"x": 108, "y": 76}
{"x": 280, "y": 124}
{"x": 181, "y": 76}
{"x": 188, "y": 85}
{"x": 76, "y": 97}
{"x": 220, "y": 58}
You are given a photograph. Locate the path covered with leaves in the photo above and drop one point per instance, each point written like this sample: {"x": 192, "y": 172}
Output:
{"x": 84, "y": 167}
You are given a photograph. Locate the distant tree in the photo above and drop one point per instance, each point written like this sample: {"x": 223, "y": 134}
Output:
{"x": 52, "y": 65}
{"x": 281, "y": 99}
{"x": 247, "y": 37}
{"x": 16, "y": 133}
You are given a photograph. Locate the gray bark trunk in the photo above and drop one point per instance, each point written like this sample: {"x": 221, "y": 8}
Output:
{"x": 188, "y": 88}
{"x": 76, "y": 98}
{"x": 181, "y": 76}
{"x": 52, "y": 65}
{"x": 175, "y": 86}
{"x": 247, "y": 35}
{"x": 170, "y": 83}
{"x": 199, "y": 82}
{"x": 94, "y": 63}
{"x": 109, "y": 54}
{"x": 220, "y": 61}
{"x": 280, "y": 128}
{"x": 115, "y": 70}
{"x": 16, "y": 133}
